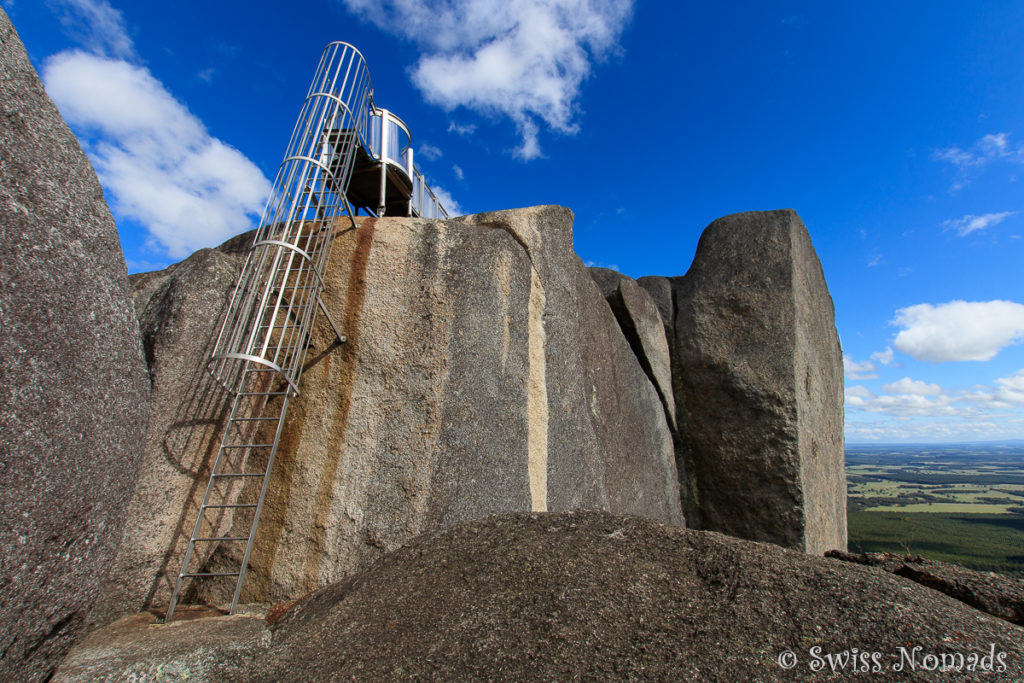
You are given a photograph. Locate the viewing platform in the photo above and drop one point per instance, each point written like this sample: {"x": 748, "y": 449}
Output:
{"x": 384, "y": 180}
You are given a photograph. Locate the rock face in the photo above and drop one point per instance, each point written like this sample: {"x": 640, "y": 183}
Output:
{"x": 75, "y": 390}
{"x": 593, "y": 596}
{"x": 179, "y": 309}
{"x": 757, "y": 374}
{"x": 641, "y": 323}
{"x": 483, "y": 373}
{"x": 1000, "y": 596}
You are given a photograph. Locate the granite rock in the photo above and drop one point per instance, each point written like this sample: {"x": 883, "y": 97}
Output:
{"x": 483, "y": 372}
{"x": 179, "y": 311}
{"x": 74, "y": 398}
{"x": 644, "y": 328}
{"x": 564, "y": 596}
{"x": 199, "y": 645}
{"x": 999, "y": 595}
{"x": 593, "y": 596}
{"x": 758, "y": 379}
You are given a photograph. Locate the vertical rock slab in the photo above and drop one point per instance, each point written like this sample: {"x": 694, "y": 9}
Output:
{"x": 74, "y": 396}
{"x": 608, "y": 443}
{"x": 642, "y": 324}
{"x": 660, "y": 290}
{"x": 758, "y": 381}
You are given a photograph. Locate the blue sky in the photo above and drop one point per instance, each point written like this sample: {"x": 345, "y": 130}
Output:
{"x": 896, "y": 130}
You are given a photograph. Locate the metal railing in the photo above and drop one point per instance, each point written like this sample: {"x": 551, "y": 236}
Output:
{"x": 425, "y": 203}
{"x": 388, "y": 141}
{"x": 267, "y": 327}
{"x": 269, "y": 317}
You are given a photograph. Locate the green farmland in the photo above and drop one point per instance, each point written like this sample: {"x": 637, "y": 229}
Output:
{"x": 959, "y": 503}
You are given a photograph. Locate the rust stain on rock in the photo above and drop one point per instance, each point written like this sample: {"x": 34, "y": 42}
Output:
{"x": 355, "y": 293}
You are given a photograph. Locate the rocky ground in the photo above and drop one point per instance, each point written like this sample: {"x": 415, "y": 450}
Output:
{"x": 999, "y": 595}
{"x": 581, "y": 596}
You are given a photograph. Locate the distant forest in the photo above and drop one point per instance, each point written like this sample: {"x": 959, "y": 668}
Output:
{"x": 961, "y": 503}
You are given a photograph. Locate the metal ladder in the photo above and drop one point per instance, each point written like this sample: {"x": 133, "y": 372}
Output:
{"x": 261, "y": 348}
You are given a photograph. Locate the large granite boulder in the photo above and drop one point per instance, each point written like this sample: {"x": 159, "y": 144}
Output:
{"x": 585, "y": 596}
{"x": 483, "y": 372}
{"x": 758, "y": 383}
{"x": 74, "y": 397}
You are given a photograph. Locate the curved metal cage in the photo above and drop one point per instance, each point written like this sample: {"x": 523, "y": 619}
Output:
{"x": 269, "y": 320}
{"x": 271, "y": 311}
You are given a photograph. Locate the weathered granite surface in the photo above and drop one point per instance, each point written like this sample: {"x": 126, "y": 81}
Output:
{"x": 999, "y": 595}
{"x": 642, "y": 324}
{"x": 74, "y": 396}
{"x": 200, "y": 644}
{"x": 179, "y": 310}
{"x": 758, "y": 379}
{"x": 583, "y": 596}
{"x": 483, "y": 372}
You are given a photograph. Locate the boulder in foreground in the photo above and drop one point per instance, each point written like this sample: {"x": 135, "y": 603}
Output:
{"x": 590, "y": 595}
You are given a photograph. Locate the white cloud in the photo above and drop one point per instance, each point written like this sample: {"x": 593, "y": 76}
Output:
{"x": 601, "y": 264}
{"x": 156, "y": 160}
{"x": 913, "y": 398}
{"x": 883, "y": 357}
{"x": 990, "y": 148}
{"x": 96, "y": 25}
{"x": 429, "y": 151}
{"x": 1011, "y": 389}
{"x": 959, "y": 330}
{"x": 524, "y": 59}
{"x": 457, "y": 170}
{"x": 912, "y": 409}
{"x": 463, "y": 129}
{"x": 447, "y": 201}
{"x": 902, "y": 404}
{"x": 858, "y": 369}
{"x": 912, "y": 386}
{"x": 943, "y": 430}
{"x": 968, "y": 224}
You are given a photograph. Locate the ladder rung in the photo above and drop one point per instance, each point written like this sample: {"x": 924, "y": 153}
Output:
{"x": 221, "y": 538}
{"x": 253, "y": 419}
{"x": 250, "y": 445}
{"x": 238, "y": 474}
{"x": 230, "y": 505}
{"x": 262, "y": 393}
{"x": 208, "y": 574}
